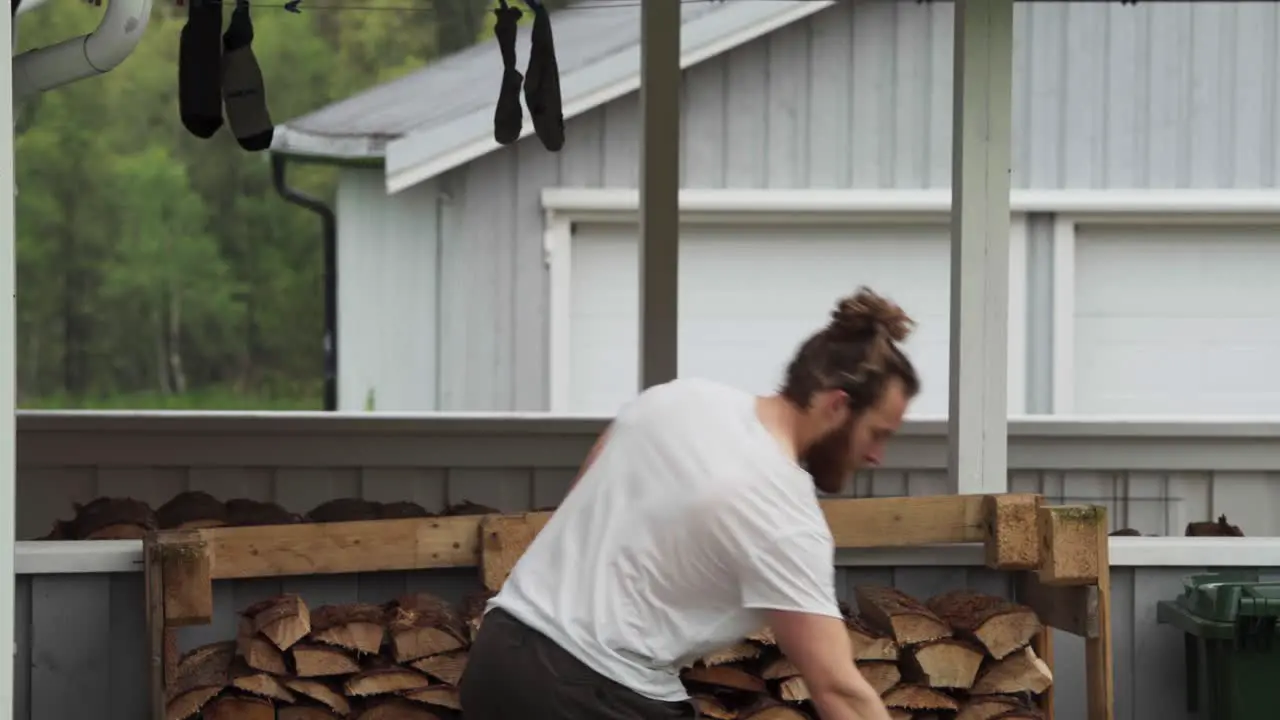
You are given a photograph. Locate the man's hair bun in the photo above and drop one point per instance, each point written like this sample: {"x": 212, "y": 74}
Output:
{"x": 865, "y": 315}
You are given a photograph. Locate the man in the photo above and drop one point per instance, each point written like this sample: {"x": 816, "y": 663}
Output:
{"x": 694, "y": 522}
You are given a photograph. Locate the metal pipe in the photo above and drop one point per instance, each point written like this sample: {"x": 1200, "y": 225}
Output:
{"x": 329, "y": 237}
{"x": 100, "y": 51}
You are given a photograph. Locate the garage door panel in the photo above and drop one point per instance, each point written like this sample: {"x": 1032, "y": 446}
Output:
{"x": 748, "y": 298}
{"x": 1177, "y": 321}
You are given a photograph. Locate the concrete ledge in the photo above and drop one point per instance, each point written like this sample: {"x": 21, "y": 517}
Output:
{"x": 66, "y": 557}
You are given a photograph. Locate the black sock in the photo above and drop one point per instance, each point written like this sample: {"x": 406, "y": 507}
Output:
{"x": 508, "y": 118}
{"x": 200, "y": 69}
{"x": 243, "y": 91}
{"x": 542, "y": 82}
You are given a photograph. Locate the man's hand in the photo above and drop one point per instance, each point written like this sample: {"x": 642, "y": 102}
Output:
{"x": 819, "y": 647}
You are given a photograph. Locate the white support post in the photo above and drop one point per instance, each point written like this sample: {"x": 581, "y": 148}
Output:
{"x": 659, "y": 189}
{"x": 8, "y": 375}
{"x": 978, "y": 421}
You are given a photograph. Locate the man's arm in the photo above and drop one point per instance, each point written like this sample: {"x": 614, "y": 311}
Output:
{"x": 819, "y": 647}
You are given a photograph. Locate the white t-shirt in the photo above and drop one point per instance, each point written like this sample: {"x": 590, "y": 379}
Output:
{"x": 689, "y": 523}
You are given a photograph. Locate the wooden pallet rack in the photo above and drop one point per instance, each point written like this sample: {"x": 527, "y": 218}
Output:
{"x": 1059, "y": 554}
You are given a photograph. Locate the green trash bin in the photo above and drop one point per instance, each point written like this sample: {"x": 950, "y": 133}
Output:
{"x": 1232, "y": 644}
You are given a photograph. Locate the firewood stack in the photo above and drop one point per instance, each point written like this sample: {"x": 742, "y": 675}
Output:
{"x": 129, "y": 519}
{"x": 399, "y": 661}
{"x": 961, "y": 656}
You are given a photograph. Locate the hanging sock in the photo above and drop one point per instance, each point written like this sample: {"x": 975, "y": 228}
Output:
{"x": 242, "y": 87}
{"x": 542, "y": 82}
{"x": 200, "y": 69}
{"x": 508, "y": 118}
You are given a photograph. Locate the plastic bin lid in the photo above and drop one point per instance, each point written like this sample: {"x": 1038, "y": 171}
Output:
{"x": 1228, "y": 597}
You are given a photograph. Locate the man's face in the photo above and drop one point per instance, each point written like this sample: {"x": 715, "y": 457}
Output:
{"x": 856, "y": 442}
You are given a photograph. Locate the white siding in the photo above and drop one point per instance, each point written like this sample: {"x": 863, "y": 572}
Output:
{"x": 1182, "y": 321}
{"x": 387, "y": 294}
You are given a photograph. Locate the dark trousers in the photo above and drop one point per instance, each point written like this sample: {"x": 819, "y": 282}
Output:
{"x": 513, "y": 671}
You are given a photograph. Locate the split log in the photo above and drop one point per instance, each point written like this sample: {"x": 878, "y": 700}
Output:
{"x": 734, "y": 653}
{"x": 779, "y": 669}
{"x": 898, "y": 614}
{"x": 402, "y": 509}
{"x": 1017, "y": 673}
{"x": 473, "y": 612}
{"x": 869, "y": 643}
{"x": 880, "y": 674}
{"x": 395, "y": 708}
{"x": 946, "y": 663}
{"x": 316, "y": 660}
{"x": 997, "y": 624}
{"x": 445, "y": 667}
{"x": 322, "y": 693}
{"x": 242, "y": 512}
{"x": 113, "y": 519}
{"x": 764, "y": 636}
{"x": 306, "y": 712}
{"x": 793, "y": 689}
{"x": 385, "y": 681}
{"x": 345, "y": 510}
{"x": 257, "y": 651}
{"x": 423, "y": 625}
{"x": 1221, "y": 528}
{"x": 354, "y": 626}
{"x": 466, "y": 507}
{"x": 239, "y": 707}
{"x": 201, "y": 674}
{"x": 709, "y": 706}
{"x": 192, "y": 510}
{"x": 900, "y": 714}
{"x": 725, "y": 677}
{"x": 918, "y": 698}
{"x": 437, "y": 695}
{"x": 257, "y": 683}
{"x": 1021, "y": 713}
{"x": 989, "y": 707}
{"x": 770, "y": 709}
{"x": 283, "y": 619}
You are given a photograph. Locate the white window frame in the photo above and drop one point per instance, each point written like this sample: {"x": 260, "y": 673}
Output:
{"x": 1145, "y": 208}
{"x": 565, "y": 207}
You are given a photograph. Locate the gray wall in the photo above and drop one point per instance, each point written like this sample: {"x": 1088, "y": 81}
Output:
{"x": 81, "y": 638}
{"x": 1160, "y": 95}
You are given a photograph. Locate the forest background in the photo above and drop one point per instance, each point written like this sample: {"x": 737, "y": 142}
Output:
{"x": 160, "y": 271}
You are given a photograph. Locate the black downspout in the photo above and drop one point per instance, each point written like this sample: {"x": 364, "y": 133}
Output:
{"x": 329, "y": 236}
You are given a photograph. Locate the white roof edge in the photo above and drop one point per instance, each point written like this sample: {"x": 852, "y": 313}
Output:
{"x": 417, "y": 157}
{"x": 293, "y": 142}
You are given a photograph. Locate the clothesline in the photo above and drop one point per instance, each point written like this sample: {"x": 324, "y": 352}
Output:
{"x": 299, "y": 6}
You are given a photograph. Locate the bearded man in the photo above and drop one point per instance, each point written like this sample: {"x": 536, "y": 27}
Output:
{"x": 694, "y": 522}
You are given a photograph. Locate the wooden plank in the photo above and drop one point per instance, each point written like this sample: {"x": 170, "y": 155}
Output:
{"x": 1070, "y": 608}
{"x": 1070, "y": 551}
{"x": 1013, "y": 538}
{"x": 905, "y": 521}
{"x": 504, "y": 538}
{"x": 1043, "y": 646}
{"x": 153, "y": 575}
{"x": 188, "y": 588}
{"x": 347, "y": 547}
{"x": 1099, "y": 665}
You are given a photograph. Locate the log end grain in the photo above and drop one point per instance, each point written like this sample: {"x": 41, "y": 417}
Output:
{"x": 445, "y": 667}
{"x": 870, "y": 643}
{"x": 258, "y": 652}
{"x": 403, "y": 509}
{"x": 191, "y": 510}
{"x": 919, "y": 698}
{"x": 1019, "y": 672}
{"x": 734, "y": 653}
{"x": 395, "y": 708}
{"x": 726, "y": 677}
{"x": 284, "y": 619}
{"x": 242, "y": 512}
{"x": 894, "y": 612}
{"x": 946, "y": 663}
{"x": 307, "y": 712}
{"x": 188, "y": 704}
{"x": 709, "y": 706}
{"x": 259, "y": 684}
{"x": 316, "y": 660}
{"x": 345, "y": 510}
{"x": 441, "y": 696}
{"x": 355, "y": 626}
{"x": 384, "y": 681}
{"x": 421, "y": 625}
{"x": 239, "y": 707}
{"x": 880, "y": 674}
{"x": 997, "y": 624}
{"x": 112, "y": 518}
{"x": 320, "y": 692}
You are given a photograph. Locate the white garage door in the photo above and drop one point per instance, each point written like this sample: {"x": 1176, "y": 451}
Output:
{"x": 748, "y": 297}
{"x": 1177, "y": 321}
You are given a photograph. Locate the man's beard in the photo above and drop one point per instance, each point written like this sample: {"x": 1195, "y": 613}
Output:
{"x": 828, "y": 459}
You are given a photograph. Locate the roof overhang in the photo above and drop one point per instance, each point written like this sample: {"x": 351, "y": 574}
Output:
{"x": 420, "y": 156}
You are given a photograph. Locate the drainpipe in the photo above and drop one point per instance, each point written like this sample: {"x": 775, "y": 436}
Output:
{"x": 329, "y": 236}
{"x": 121, "y": 29}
